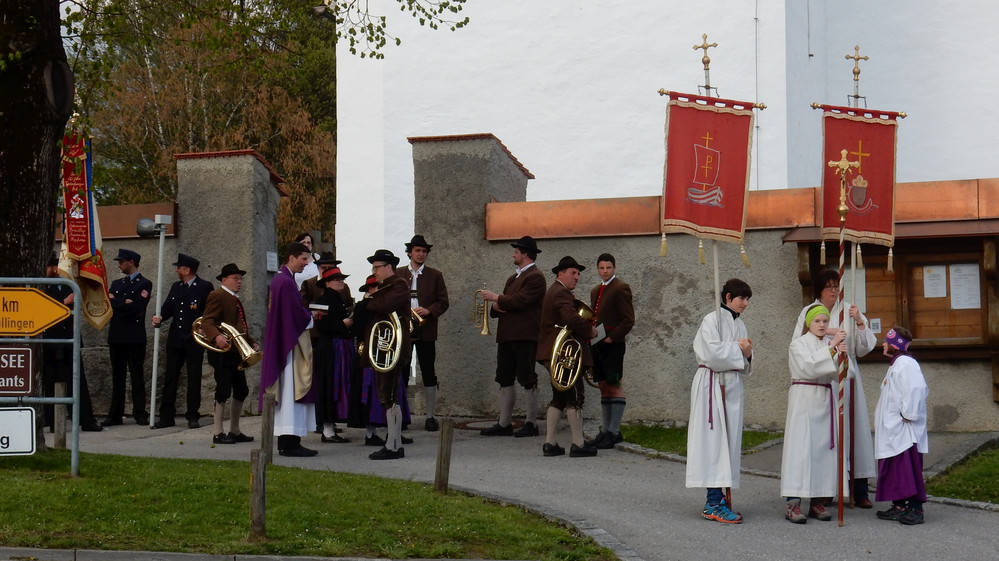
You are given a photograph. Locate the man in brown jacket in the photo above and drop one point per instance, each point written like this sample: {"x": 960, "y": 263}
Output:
{"x": 428, "y": 298}
{"x": 611, "y": 301}
{"x": 519, "y": 313}
{"x": 223, "y": 306}
{"x": 559, "y": 309}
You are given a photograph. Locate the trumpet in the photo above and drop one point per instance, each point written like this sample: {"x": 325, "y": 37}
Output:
{"x": 480, "y": 312}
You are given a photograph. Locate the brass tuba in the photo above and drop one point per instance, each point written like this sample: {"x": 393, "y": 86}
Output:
{"x": 567, "y": 353}
{"x": 480, "y": 312}
{"x": 236, "y": 340}
{"x": 384, "y": 344}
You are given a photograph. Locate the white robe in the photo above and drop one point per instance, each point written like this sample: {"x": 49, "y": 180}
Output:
{"x": 864, "y": 341}
{"x": 900, "y": 416}
{"x": 291, "y": 417}
{"x": 714, "y": 449}
{"x": 809, "y": 465}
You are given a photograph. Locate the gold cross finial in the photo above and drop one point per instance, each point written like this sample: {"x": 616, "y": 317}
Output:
{"x": 705, "y": 45}
{"x": 856, "y": 58}
{"x": 842, "y": 169}
{"x": 843, "y": 164}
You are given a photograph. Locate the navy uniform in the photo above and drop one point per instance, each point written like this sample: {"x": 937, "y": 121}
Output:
{"x": 184, "y": 304}
{"x": 127, "y": 340}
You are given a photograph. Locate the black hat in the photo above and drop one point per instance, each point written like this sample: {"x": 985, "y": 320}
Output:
{"x": 230, "y": 269}
{"x": 384, "y": 255}
{"x": 333, "y": 273}
{"x": 187, "y": 261}
{"x": 526, "y": 243}
{"x": 417, "y": 241}
{"x": 567, "y": 262}
{"x": 327, "y": 258}
{"x": 368, "y": 283}
{"x": 128, "y": 255}
{"x": 53, "y": 261}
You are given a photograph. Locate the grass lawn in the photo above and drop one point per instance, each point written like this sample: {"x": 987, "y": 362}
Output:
{"x": 674, "y": 440}
{"x": 127, "y": 503}
{"x": 973, "y": 479}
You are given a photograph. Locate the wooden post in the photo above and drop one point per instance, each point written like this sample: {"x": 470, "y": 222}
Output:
{"x": 444, "y": 456}
{"x": 59, "y": 418}
{"x": 267, "y": 428}
{"x": 258, "y": 493}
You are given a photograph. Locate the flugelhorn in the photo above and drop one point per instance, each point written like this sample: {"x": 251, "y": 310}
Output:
{"x": 384, "y": 344}
{"x": 480, "y": 312}
{"x": 237, "y": 340}
{"x": 567, "y": 353}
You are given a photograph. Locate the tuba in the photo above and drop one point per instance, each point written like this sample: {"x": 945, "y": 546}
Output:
{"x": 480, "y": 312}
{"x": 384, "y": 344}
{"x": 566, "y": 362}
{"x": 237, "y": 341}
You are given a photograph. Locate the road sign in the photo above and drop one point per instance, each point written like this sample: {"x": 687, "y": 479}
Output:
{"x": 17, "y": 431}
{"x": 15, "y": 371}
{"x": 28, "y": 311}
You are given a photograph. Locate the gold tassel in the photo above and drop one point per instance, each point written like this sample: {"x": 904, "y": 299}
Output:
{"x": 822, "y": 253}
{"x": 662, "y": 247}
{"x": 700, "y": 252}
{"x": 745, "y": 258}
{"x": 891, "y": 267}
{"x": 860, "y": 259}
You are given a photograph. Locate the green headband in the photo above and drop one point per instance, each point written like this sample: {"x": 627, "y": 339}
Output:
{"x": 814, "y": 311}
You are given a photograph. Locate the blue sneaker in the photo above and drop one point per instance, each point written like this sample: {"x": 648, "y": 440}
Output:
{"x": 721, "y": 513}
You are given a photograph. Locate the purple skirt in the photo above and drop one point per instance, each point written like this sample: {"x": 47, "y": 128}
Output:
{"x": 901, "y": 477}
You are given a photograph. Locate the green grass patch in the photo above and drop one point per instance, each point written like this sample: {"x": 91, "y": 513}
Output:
{"x": 674, "y": 440}
{"x": 155, "y": 504}
{"x": 972, "y": 479}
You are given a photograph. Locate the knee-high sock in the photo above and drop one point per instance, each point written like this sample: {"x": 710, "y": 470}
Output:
{"x": 507, "y": 398}
{"x": 369, "y": 430}
{"x": 616, "y": 412}
{"x": 575, "y": 418}
{"x": 393, "y": 416}
{"x": 430, "y": 394}
{"x": 234, "y": 413}
{"x": 219, "y": 412}
{"x": 551, "y": 424}
{"x": 531, "y": 399}
{"x": 605, "y": 413}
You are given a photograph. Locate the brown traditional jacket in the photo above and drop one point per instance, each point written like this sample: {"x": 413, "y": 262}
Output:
{"x": 222, "y": 307}
{"x": 521, "y": 302}
{"x": 392, "y": 296}
{"x": 559, "y": 309}
{"x": 431, "y": 294}
{"x": 616, "y": 310}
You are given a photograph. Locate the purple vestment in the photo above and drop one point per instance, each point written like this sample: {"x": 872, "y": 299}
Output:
{"x": 287, "y": 318}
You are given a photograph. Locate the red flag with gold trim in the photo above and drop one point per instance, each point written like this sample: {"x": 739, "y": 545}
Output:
{"x": 869, "y": 138}
{"x": 706, "y": 176}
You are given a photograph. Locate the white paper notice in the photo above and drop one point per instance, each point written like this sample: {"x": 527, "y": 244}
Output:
{"x": 601, "y": 334}
{"x": 935, "y": 282}
{"x": 965, "y": 288}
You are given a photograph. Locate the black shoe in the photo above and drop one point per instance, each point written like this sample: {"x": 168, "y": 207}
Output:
{"x": 222, "y": 438}
{"x": 431, "y": 425}
{"x": 109, "y": 422}
{"x": 92, "y": 427}
{"x": 240, "y": 437}
{"x": 193, "y": 424}
{"x": 529, "y": 429}
{"x": 583, "y": 451}
{"x": 608, "y": 441}
{"x": 386, "y": 454}
{"x": 163, "y": 423}
{"x": 300, "y": 452}
{"x": 373, "y": 440}
{"x": 405, "y": 439}
{"x": 497, "y": 430}
{"x": 141, "y": 420}
{"x": 599, "y": 439}
{"x": 894, "y": 512}
{"x": 550, "y": 450}
{"x": 335, "y": 439}
{"x": 911, "y": 517}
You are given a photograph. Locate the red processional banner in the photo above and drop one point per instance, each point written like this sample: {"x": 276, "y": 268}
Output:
{"x": 706, "y": 176}
{"x": 868, "y": 137}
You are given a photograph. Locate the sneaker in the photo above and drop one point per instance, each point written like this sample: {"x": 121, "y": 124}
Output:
{"x": 794, "y": 513}
{"x": 721, "y": 513}
{"x": 373, "y": 440}
{"x": 911, "y": 517}
{"x": 583, "y": 451}
{"x": 894, "y": 513}
{"x": 550, "y": 450}
{"x": 497, "y": 430}
{"x": 529, "y": 429}
{"x": 431, "y": 425}
{"x": 819, "y": 512}
{"x": 386, "y": 454}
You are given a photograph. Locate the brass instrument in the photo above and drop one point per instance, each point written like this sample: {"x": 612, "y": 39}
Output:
{"x": 237, "y": 341}
{"x": 480, "y": 312}
{"x": 566, "y": 362}
{"x": 416, "y": 323}
{"x": 384, "y": 344}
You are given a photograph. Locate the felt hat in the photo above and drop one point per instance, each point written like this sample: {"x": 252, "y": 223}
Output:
{"x": 327, "y": 258}
{"x": 526, "y": 243}
{"x": 229, "y": 269}
{"x": 417, "y": 241}
{"x": 368, "y": 283}
{"x": 331, "y": 274}
{"x": 567, "y": 262}
{"x": 384, "y": 255}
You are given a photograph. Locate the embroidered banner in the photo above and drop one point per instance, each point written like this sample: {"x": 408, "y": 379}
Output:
{"x": 869, "y": 138}
{"x": 706, "y": 175}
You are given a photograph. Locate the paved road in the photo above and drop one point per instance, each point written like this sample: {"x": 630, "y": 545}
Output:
{"x": 631, "y": 502}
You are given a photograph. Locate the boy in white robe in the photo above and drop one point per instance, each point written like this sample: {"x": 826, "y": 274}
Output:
{"x": 714, "y": 432}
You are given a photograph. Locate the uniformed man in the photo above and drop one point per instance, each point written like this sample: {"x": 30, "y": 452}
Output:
{"x": 129, "y": 297}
